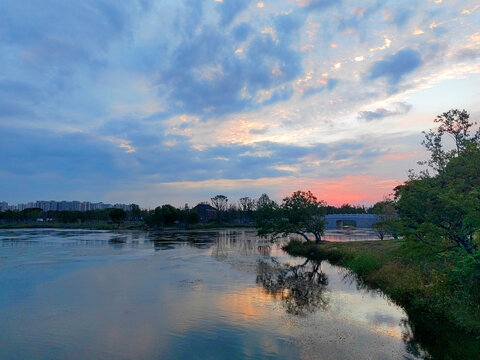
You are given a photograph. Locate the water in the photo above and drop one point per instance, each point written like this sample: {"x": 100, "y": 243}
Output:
{"x": 352, "y": 234}
{"x": 185, "y": 295}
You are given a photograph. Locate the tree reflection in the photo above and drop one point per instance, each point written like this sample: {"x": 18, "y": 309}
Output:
{"x": 300, "y": 287}
{"x": 239, "y": 243}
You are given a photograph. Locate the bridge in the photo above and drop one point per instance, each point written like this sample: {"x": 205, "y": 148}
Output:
{"x": 335, "y": 221}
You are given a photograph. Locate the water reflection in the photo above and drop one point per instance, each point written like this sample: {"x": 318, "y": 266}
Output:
{"x": 352, "y": 234}
{"x": 300, "y": 287}
{"x": 240, "y": 243}
{"x": 187, "y": 294}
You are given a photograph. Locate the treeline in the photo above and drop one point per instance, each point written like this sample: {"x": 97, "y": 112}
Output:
{"x": 65, "y": 216}
{"x": 242, "y": 212}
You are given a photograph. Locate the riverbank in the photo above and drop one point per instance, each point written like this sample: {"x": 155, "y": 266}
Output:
{"x": 438, "y": 284}
{"x": 75, "y": 226}
{"x": 134, "y": 225}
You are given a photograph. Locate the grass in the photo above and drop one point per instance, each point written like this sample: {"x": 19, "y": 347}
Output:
{"x": 440, "y": 284}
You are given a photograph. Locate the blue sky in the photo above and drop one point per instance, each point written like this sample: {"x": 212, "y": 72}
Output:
{"x": 159, "y": 102}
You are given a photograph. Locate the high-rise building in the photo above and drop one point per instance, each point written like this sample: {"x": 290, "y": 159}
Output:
{"x": 63, "y": 206}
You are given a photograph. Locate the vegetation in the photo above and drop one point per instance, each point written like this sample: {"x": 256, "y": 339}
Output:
{"x": 440, "y": 284}
{"x": 388, "y": 224}
{"x": 300, "y": 214}
{"x": 445, "y": 207}
{"x": 435, "y": 269}
{"x": 117, "y": 215}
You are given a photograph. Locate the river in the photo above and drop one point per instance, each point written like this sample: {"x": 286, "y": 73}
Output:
{"x": 223, "y": 294}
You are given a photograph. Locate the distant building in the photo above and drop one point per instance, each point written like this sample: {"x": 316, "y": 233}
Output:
{"x": 63, "y": 206}
{"x": 338, "y": 221}
{"x": 205, "y": 212}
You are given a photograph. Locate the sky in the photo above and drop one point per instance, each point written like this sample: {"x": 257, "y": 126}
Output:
{"x": 155, "y": 102}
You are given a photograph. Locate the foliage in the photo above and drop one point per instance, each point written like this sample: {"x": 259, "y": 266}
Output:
{"x": 445, "y": 206}
{"x": 301, "y": 213}
{"x": 455, "y": 124}
{"x": 189, "y": 217}
{"x": 346, "y": 209}
{"x": 117, "y": 215}
{"x": 389, "y": 222}
{"x": 442, "y": 285}
{"x": 220, "y": 203}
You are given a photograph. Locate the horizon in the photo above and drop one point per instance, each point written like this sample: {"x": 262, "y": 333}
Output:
{"x": 176, "y": 102}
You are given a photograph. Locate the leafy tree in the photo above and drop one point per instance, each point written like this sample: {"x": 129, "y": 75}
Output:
{"x": 301, "y": 213}
{"x": 135, "y": 212}
{"x": 267, "y": 217}
{"x": 220, "y": 203}
{"x": 246, "y": 205}
{"x": 190, "y": 217}
{"x": 31, "y": 214}
{"x": 445, "y": 206}
{"x": 389, "y": 223}
{"x": 169, "y": 215}
{"x": 263, "y": 200}
{"x": 455, "y": 124}
{"x": 117, "y": 215}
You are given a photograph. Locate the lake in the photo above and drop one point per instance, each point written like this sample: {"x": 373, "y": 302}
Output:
{"x": 76, "y": 294}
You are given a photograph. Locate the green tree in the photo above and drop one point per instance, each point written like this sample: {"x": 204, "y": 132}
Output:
{"x": 301, "y": 214}
{"x": 31, "y": 214}
{"x": 117, "y": 215}
{"x": 445, "y": 206}
{"x": 190, "y": 217}
{"x": 169, "y": 215}
{"x": 455, "y": 125}
{"x": 389, "y": 221}
{"x": 135, "y": 212}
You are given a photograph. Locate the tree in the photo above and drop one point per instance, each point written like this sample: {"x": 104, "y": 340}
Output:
{"x": 117, "y": 215}
{"x": 445, "y": 206}
{"x": 455, "y": 124}
{"x": 246, "y": 205}
{"x": 190, "y": 217}
{"x": 135, "y": 212}
{"x": 169, "y": 215}
{"x": 220, "y": 203}
{"x": 388, "y": 224}
{"x": 301, "y": 213}
{"x": 263, "y": 200}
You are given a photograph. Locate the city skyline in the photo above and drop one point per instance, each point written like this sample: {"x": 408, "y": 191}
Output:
{"x": 176, "y": 101}
{"x": 68, "y": 205}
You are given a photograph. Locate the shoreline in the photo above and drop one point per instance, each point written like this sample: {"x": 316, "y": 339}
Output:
{"x": 420, "y": 279}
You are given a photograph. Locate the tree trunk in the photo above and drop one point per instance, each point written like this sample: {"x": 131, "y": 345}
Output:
{"x": 303, "y": 234}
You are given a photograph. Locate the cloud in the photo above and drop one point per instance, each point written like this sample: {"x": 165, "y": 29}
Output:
{"x": 401, "y": 108}
{"x": 242, "y": 31}
{"x": 395, "y": 67}
{"x": 230, "y": 9}
{"x": 400, "y": 17}
{"x": 204, "y": 77}
{"x": 317, "y": 4}
{"x": 330, "y": 85}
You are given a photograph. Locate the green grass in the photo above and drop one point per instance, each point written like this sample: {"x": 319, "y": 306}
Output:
{"x": 441, "y": 284}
